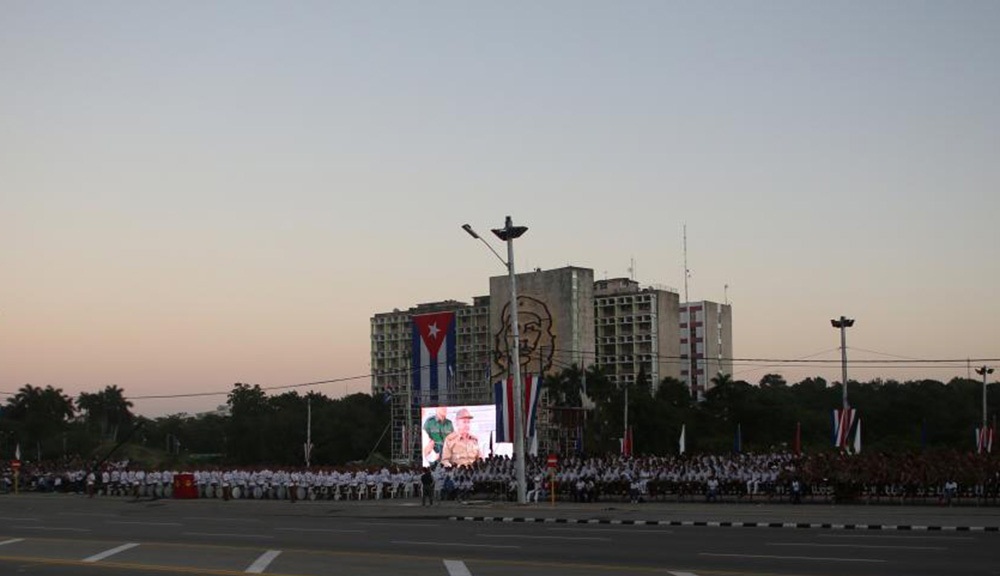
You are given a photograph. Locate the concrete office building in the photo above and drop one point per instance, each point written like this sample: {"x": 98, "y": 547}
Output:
{"x": 706, "y": 340}
{"x": 636, "y": 331}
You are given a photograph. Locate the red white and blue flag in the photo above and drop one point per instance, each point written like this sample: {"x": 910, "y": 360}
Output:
{"x": 844, "y": 423}
{"x": 434, "y": 357}
{"x": 984, "y": 439}
{"x": 503, "y": 394}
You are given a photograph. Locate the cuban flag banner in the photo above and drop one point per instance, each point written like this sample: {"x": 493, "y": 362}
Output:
{"x": 503, "y": 394}
{"x": 844, "y": 422}
{"x": 984, "y": 439}
{"x": 434, "y": 357}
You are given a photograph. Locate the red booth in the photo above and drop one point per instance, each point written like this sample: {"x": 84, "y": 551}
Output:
{"x": 184, "y": 486}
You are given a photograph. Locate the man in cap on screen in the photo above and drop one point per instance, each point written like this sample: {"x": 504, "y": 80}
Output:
{"x": 461, "y": 448}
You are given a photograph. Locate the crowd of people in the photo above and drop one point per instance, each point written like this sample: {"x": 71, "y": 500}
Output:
{"x": 829, "y": 476}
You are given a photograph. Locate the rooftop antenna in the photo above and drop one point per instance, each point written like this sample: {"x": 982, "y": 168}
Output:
{"x": 692, "y": 362}
{"x": 631, "y": 268}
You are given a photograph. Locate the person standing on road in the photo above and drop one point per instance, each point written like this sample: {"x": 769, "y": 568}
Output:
{"x": 427, "y": 483}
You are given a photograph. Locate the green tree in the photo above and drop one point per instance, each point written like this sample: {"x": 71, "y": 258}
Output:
{"x": 40, "y": 417}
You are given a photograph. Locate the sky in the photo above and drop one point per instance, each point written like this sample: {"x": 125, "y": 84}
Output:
{"x": 194, "y": 194}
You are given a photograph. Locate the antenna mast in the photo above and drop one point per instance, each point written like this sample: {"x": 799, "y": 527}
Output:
{"x": 692, "y": 372}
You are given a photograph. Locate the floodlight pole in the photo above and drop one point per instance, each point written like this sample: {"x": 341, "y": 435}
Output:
{"x": 843, "y": 323}
{"x": 508, "y": 233}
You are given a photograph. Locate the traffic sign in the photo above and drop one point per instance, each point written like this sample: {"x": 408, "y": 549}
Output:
{"x": 552, "y": 460}
{"x": 15, "y": 464}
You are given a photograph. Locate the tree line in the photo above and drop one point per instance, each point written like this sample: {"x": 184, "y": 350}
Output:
{"x": 895, "y": 416}
{"x": 262, "y": 429}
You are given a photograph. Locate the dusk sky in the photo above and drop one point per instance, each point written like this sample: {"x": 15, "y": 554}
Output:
{"x": 194, "y": 194}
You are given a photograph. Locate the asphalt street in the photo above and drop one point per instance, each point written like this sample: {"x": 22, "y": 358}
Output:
{"x": 73, "y": 535}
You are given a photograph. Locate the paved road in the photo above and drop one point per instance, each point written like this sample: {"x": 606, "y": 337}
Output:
{"x": 71, "y": 535}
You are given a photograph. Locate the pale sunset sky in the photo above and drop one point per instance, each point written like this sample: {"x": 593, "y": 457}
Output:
{"x": 194, "y": 194}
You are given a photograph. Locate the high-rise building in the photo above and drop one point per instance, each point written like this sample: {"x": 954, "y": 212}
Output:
{"x": 706, "y": 341}
{"x": 636, "y": 331}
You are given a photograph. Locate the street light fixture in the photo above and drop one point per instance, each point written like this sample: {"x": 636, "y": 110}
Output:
{"x": 984, "y": 371}
{"x": 843, "y": 323}
{"x": 508, "y": 233}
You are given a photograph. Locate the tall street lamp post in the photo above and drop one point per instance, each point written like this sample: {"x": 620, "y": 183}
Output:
{"x": 985, "y": 371}
{"x": 843, "y": 323}
{"x": 508, "y": 233}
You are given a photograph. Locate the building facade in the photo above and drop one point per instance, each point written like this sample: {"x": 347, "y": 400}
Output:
{"x": 636, "y": 331}
{"x": 706, "y": 341}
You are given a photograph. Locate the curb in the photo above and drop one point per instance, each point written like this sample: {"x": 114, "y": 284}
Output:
{"x": 800, "y": 525}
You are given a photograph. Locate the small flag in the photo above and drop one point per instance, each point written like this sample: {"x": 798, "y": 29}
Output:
{"x": 857, "y": 438}
{"x": 626, "y": 443}
{"x": 681, "y": 447}
{"x": 984, "y": 440}
{"x": 17, "y": 452}
{"x": 843, "y": 424}
{"x": 797, "y": 441}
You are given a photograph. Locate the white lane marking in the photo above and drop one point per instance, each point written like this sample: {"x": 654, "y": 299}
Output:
{"x": 885, "y": 546}
{"x": 11, "y": 541}
{"x": 338, "y": 530}
{"x": 888, "y": 536}
{"x": 226, "y": 535}
{"x": 143, "y": 523}
{"x": 262, "y": 562}
{"x": 52, "y": 528}
{"x": 404, "y": 524}
{"x": 772, "y": 557}
{"x": 111, "y": 552}
{"x": 94, "y": 514}
{"x": 533, "y": 537}
{"x": 418, "y": 543}
{"x": 221, "y": 519}
{"x": 625, "y": 530}
{"x": 456, "y": 568}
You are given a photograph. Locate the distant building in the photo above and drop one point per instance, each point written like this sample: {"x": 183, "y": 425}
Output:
{"x": 706, "y": 341}
{"x": 636, "y": 330}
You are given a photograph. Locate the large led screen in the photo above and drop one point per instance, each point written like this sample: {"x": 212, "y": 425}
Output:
{"x": 454, "y": 436}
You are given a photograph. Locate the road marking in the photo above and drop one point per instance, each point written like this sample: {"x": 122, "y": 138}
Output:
{"x": 321, "y": 530}
{"x": 11, "y": 541}
{"x": 404, "y": 524}
{"x": 143, "y": 523}
{"x": 221, "y": 518}
{"x": 9, "y": 519}
{"x": 771, "y": 557}
{"x": 111, "y": 552}
{"x": 262, "y": 562}
{"x": 226, "y": 535}
{"x": 456, "y": 568}
{"x": 52, "y": 528}
{"x": 418, "y": 543}
{"x": 885, "y": 546}
{"x": 625, "y": 530}
{"x": 94, "y": 514}
{"x": 533, "y": 537}
{"x": 898, "y": 537}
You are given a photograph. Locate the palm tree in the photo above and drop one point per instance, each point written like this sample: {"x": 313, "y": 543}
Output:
{"x": 40, "y": 414}
{"x": 107, "y": 410}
